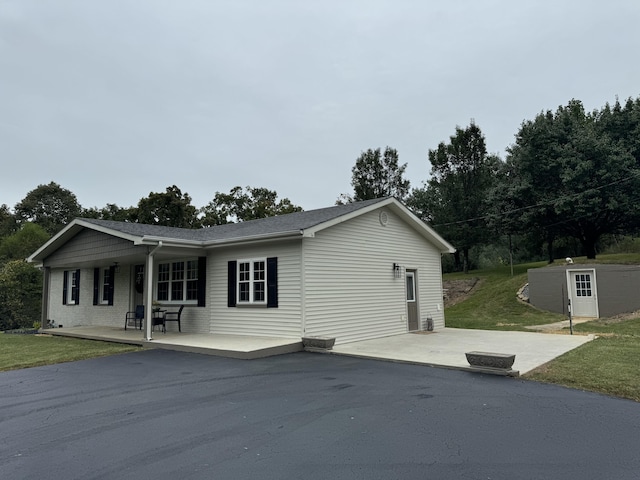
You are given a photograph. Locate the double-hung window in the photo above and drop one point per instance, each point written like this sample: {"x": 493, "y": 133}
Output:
{"x": 71, "y": 287}
{"x": 106, "y": 286}
{"x": 177, "y": 281}
{"x": 252, "y": 281}
{"x": 103, "y": 283}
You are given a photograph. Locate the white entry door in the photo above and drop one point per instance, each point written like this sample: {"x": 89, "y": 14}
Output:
{"x": 584, "y": 298}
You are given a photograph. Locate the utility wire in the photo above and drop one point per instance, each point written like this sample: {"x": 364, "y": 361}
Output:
{"x": 631, "y": 176}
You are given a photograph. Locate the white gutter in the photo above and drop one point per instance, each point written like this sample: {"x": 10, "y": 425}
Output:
{"x": 148, "y": 306}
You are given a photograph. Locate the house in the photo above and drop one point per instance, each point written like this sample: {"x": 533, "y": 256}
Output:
{"x": 357, "y": 271}
{"x": 592, "y": 291}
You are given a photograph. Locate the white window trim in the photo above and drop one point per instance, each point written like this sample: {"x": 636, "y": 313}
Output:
{"x": 185, "y": 280}
{"x": 71, "y": 287}
{"x": 413, "y": 286}
{"x": 252, "y": 281}
{"x": 102, "y": 300}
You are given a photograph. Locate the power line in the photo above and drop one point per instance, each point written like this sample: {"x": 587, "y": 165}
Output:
{"x": 546, "y": 202}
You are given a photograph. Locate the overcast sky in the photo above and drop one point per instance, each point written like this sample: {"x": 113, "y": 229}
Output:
{"x": 114, "y": 99}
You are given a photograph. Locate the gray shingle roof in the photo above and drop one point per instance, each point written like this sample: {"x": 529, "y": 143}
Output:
{"x": 265, "y": 226}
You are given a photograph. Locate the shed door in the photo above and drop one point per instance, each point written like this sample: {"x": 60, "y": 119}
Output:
{"x": 412, "y": 301}
{"x": 583, "y": 293}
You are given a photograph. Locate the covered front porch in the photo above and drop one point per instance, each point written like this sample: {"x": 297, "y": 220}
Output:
{"x": 231, "y": 346}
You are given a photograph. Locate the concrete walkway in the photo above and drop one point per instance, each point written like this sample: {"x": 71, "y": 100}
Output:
{"x": 447, "y": 347}
{"x": 558, "y": 326}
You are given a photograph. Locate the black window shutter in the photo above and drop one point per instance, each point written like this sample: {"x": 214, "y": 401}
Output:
{"x": 65, "y": 286}
{"x": 78, "y": 287}
{"x": 202, "y": 281}
{"x": 272, "y": 282}
{"x": 231, "y": 283}
{"x": 96, "y": 285}
{"x": 112, "y": 283}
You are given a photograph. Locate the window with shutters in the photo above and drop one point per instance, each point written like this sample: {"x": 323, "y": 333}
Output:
{"x": 71, "y": 287}
{"x": 252, "y": 281}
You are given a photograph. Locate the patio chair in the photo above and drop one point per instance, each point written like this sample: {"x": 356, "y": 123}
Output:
{"x": 174, "y": 317}
{"x": 136, "y": 316}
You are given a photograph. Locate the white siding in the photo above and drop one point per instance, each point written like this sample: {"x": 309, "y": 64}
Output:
{"x": 194, "y": 319}
{"x": 283, "y": 321}
{"x": 85, "y": 313}
{"x": 350, "y": 289}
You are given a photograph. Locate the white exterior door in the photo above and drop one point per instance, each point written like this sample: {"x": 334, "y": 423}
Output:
{"x": 584, "y": 298}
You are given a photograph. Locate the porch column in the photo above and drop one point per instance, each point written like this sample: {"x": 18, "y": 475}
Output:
{"x": 44, "y": 313}
{"x": 148, "y": 305}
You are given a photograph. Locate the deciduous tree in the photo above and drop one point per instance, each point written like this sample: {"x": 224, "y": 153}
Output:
{"x": 22, "y": 243}
{"x": 50, "y": 206}
{"x": 571, "y": 178}
{"x": 171, "y": 208}
{"x": 377, "y": 175}
{"x": 242, "y": 205}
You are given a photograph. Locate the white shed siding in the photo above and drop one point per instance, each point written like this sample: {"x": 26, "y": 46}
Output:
{"x": 350, "y": 289}
{"x": 283, "y": 321}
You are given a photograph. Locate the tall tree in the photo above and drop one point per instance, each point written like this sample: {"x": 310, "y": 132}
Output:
{"x": 112, "y": 212}
{"x": 50, "y": 206}
{"x": 454, "y": 200}
{"x": 8, "y": 223}
{"x": 571, "y": 178}
{"x": 377, "y": 175}
{"x": 23, "y": 243}
{"x": 242, "y": 205}
{"x": 171, "y": 208}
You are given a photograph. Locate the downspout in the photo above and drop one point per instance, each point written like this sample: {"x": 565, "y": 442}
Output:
{"x": 303, "y": 297}
{"x": 148, "y": 305}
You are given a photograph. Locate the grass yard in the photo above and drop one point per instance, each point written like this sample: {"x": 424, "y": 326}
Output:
{"x": 23, "y": 351}
{"x": 606, "y": 365}
{"x": 493, "y": 305}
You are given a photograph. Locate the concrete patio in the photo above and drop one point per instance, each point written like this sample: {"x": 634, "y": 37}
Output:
{"x": 444, "y": 348}
{"x": 232, "y": 346}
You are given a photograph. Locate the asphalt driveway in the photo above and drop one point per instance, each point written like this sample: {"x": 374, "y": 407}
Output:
{"x": 165, "y": 415}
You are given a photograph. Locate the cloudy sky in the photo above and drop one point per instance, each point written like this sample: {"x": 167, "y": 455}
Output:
{"x": 114, "y": 99}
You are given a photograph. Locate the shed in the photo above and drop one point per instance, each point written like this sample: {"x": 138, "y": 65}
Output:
{"x": 592, "y": 290}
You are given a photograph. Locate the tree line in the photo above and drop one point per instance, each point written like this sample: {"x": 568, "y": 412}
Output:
{"x": 569, "y": 182}
{"x": 45, "y": 210}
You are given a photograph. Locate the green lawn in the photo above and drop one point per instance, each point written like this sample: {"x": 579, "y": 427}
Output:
{"x": 23, "y": 351}
{"x": 494, "y": 305}
{"x": 607, "y": 365}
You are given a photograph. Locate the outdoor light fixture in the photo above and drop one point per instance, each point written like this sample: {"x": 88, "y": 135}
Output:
{"x": 396, "y": 270}
{"x": 116, "y": 267}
